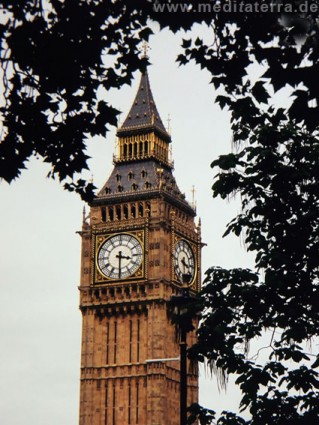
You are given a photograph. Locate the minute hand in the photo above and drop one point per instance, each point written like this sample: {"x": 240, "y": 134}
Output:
{"x": 120, "y": 257}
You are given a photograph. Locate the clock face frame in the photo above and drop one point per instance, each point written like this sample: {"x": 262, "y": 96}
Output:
{"x": 119, "y": 256}
{"x": 184, "y": 262}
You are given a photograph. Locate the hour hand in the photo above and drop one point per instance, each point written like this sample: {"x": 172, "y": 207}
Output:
{"x": 184, "y": 263}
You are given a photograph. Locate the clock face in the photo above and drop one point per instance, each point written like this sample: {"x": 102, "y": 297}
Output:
{"x": 184, "y": 262}
{"x": 120, "y": 256}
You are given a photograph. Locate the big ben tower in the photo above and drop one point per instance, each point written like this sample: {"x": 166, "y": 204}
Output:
{"x": 138, "y": 244}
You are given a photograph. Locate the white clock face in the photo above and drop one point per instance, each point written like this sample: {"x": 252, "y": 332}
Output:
{"x": 120, "y": 256}
{"x": 184, "y": 261}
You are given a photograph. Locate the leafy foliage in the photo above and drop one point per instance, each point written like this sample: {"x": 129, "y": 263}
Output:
{"x": 198, "y": 413}
{"x": 275, "y": 171}
{"x": 276, "y": 175}
{"x": 52, "y": 62}
{"x": 52, "y": 69}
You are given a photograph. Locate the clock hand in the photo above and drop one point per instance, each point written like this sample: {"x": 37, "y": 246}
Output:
{"x": 120, "y": 257}
{"x": 186, "y": 266}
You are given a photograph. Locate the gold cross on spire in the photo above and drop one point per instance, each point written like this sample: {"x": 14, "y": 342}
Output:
{"x": 146, "y": 48}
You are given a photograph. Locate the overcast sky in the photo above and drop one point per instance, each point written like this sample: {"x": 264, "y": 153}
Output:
{"x": 40, "y": 251}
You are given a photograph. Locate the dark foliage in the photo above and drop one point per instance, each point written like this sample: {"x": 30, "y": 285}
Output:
{"x": 52, "y": 62}
{"x": 275, "y": 170}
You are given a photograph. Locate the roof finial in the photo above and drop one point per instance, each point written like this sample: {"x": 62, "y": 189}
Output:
{"x": 146, "y": 48}
{"x": 193, "y": 197}
{"x": 169, "y": 124}
{"x": 84, "y": 218}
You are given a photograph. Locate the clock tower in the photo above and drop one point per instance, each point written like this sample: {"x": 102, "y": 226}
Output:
{"x": 138, "y": 244}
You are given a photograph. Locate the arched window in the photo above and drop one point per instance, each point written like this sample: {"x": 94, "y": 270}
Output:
{"x": 118, "y": 177}
{"x": 141, "y": 149}
{"x": 140, "y": 210}
{"x": 103, "y": 213}
{"x": 125, "y": 211}
{"x": 146, "y": 147}
{"x": 148, "y": 207}
{"x": 125, "y": 151}
{"x": 111, "y": 213}
{"x": 120, "y": 188}
{"x": 130, "y": 175}
{"x": 107, "y": 190}
{"x": 118, "y": 212}
{"x": 135, "y": 149}
{"x": 147, "y": 185}
{"x": 134, "y": 186}
{"x": 133, "y": 210}
{"x": 130, "y": 150}
{"x": 143, "y": 173}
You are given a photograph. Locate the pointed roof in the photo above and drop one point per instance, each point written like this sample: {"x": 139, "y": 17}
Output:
{"x": 139, "y": 181}
{"x": 149, "y": 175}
{"x": 143, "y": 115}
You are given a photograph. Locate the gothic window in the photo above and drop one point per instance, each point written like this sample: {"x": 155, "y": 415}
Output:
{"x": 131, "y": 341}
{"x": 114, "y": 405}
{"x": 118, "y": 212}
{"x": 141, "y": 149}
{"x": 146, "y": 147}
{"x": 118, "y": 177}
{"x": 125, "y": 211}
{"x": 135, "y": 149}
{"x": 140, "y": 210}
{"x": 107, "y": 190}
{"x": 137, "y": 401}
{"x": 115, "y": 342}
{"x": 130, "y": 150}
{"x": 130, "y": 175}
{"x": 120, "y": 188}
{"x": 103, "y": 213}
{"x": 134, "y": 186}
{"x": 143, "y": 174}
{"x": 147, "y": 185}
{"x": 138, "y": 340}
{"x": 106, "y": 398}
{"x": 107, "y": 343}
{"x": 125, "y": 151}
{"x": 129, "y": 403}
{"x": 111, "y": 213}
{"x": 133, "y": 210}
